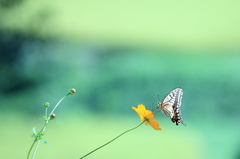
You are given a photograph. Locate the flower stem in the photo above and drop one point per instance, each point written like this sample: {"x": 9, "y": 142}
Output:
{"x": 111, "y": 140}
{"x": 35, "y": 150}
{"x": 43, "y": 129}
{"x": 31, "y": 149}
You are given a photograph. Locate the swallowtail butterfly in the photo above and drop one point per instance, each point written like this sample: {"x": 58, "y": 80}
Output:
{"x": 170, "y": 105}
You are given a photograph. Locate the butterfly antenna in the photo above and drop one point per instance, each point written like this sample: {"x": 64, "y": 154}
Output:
{"x": 152, "y": 106}
{"x": 157, "y": 97}
{"x": 157, "y": 102}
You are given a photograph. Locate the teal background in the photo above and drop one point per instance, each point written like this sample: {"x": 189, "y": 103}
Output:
{"x": 118, "y": 54}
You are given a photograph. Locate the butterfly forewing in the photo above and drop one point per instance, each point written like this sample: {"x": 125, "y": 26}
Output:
{"x": 178, "y": 98}
{"x": 166, "y": 106}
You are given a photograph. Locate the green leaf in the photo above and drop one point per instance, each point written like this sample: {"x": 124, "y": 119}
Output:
{"x": 45, "y": 141}
{"x": 35, "y": 131}
{"x": 44, "y": 118}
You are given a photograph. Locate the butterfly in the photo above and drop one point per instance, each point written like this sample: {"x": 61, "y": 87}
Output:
{"x": 170, "y": 105}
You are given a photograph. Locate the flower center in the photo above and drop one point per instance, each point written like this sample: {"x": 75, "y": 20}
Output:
{"x": 146, "y": 119}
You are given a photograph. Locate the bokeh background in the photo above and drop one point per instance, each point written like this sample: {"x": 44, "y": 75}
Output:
{"x": 118, "y": 54}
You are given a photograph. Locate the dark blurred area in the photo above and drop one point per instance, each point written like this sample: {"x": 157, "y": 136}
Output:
{"x": 12, "y": 79}
{"x": 10, "y": 3}
{"x": 120, "y": 76}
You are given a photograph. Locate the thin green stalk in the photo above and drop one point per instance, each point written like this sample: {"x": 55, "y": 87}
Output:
{"x": 57, "y": 105}
{"x": 35, "y": 150}
{"x": 111, "y": 140}
{"x": 31, "y": 148}
{"x": 38, "y": 141}
{"x": 43, "y": 129}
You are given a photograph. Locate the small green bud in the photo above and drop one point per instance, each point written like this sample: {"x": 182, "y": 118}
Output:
{"x": 46, "y": 104}
{"x": 72, "y": 91}
{"x": 52, "y": 116}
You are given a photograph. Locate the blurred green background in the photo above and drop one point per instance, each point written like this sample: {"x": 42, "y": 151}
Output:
{"x": 118, "y": 54}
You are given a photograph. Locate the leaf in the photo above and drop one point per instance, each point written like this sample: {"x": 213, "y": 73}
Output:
{"x": 45, "y": 141}
{"x": 44, "y": 118}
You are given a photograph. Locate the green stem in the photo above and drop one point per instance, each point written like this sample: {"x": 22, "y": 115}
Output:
{"x": 46, "y": 111}
{"x": 43, "y": 129}
{"x": 31, "y": 148}
{"x": 57, "y": 105}
{"x": 35, "y": 150}
{"x": 111, "y": 140}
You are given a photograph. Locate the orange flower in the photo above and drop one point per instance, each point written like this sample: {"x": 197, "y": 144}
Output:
{"x": 147, "y": 116}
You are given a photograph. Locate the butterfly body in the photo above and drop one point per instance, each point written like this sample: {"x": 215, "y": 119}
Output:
{"x": 170, "y": 105}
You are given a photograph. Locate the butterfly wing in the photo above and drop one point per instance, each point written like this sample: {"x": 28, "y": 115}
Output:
{"x": 176, "y": 107}
{"x": 167, "y": 110}
{"x": 170, "y": 105}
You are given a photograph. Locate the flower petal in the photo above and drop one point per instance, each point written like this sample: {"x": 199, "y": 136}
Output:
{"x": 154, "y": 123}
{"x": 141, "y": 111}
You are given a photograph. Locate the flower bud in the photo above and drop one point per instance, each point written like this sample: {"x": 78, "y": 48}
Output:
{"x": 72, "y": 91}
{"x": 52, "y": 116}
{"x": 46, "y": 104}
